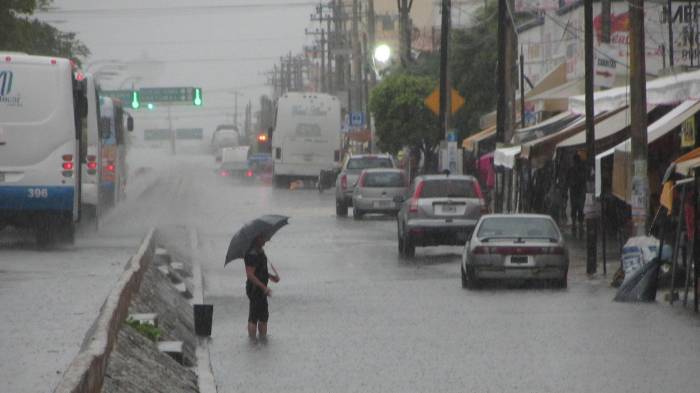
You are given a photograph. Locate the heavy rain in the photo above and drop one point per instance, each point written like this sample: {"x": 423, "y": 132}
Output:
{"x": 349, "y": 195}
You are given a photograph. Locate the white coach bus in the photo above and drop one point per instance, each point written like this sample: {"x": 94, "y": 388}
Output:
{"x": 42, "y": 144}
{"x": 306, "y": 137}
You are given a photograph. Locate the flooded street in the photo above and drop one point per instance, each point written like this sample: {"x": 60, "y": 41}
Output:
{"x": 350, "y": 315}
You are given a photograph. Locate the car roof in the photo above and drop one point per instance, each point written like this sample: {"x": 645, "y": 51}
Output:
{"x": 375, "y": 170}
{"x": 446, "y": 177}
{"x": 516, "y": 215}
{"x": 369, "y": 156}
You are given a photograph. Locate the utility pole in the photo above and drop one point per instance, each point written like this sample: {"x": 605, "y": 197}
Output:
{"x": 356, "y": 58}
{"x": 638, "y": 123}
{"x": 591, "y": 222}
{"x": 405, "y": 30}
{"x": 445, "y": 88}
{"x": 505, "y": 116}
{"x": 669, "y": 19}
{"x": 371, "y": 35}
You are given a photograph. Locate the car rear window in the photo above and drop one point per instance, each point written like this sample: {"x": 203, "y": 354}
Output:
{"x": 369, "y": 163}
{"x": 518, "y": 227}
{"x": 445, "y": 188}
{"x": 384, "y": 179}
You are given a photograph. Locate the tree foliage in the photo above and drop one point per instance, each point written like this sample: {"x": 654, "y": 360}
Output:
{"x": 474, "y": 57}
{"x": 19, "y": 32}
{"x": 401, "y": 117}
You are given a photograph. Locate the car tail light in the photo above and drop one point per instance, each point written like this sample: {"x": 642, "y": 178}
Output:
{"x": 223, "y": 173}
{"x": 344, "y": 182}
{"x": 479, "y": 250}
{"x": 361, "y": 182}
{"x": 419, "y": 190}
{"x": 413, "y": 205}
{"x": 523, "y": 250}
{"x": 249, "y": 173}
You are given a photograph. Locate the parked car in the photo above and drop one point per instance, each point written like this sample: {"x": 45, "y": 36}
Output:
{"x": 515, "y": 246}
{"x": 376, "y": 190}
{"x": 441, "y": 210}
{"x": 350, "y": 174}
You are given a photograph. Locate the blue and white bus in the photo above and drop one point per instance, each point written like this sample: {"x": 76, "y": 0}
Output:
{"x": 42, "y": 144}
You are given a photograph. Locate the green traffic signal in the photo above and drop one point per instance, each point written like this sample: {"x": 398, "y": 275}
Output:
{"x": 135, "y": 100}
{"x": 197, "y": 101}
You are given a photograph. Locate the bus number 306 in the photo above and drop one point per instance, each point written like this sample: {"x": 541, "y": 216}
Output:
{"x": 38, "y": 193}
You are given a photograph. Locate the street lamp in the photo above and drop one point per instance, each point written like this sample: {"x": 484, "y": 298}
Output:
{"x": 382, "y": 53}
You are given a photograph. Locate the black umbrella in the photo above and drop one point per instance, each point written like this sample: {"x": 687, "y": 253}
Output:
{"x": 241, "y": 242}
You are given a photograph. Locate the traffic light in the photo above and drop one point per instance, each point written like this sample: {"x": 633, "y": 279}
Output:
{"x": 263, "y": 142}
{"x": 135, "y": 99}
{"x": 151, "y": 106}
{"x": 197, "y": 96}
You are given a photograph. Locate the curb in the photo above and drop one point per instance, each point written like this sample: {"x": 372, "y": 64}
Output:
{"x": 205, "y": 374}
{"x": 86, "y": 372}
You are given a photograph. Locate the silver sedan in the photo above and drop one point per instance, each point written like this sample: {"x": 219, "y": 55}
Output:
{"x": 515, "y": 246}
{"x": 376, "y": 190}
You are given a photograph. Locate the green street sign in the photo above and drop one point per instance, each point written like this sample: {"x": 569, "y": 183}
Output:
{"x": 157, "y": 134}
{"x": 172, "y": 95}
{"x": 190, "y": 133}
{"x": 125, "y": 96}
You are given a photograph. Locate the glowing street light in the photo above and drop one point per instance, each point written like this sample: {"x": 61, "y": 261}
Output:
{"x": 382, "y": 53}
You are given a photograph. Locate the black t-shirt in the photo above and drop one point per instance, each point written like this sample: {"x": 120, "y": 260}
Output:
{"x": 258, "y": 260}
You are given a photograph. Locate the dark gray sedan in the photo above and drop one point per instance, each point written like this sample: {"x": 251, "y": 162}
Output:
{"x": 515, "y": 246}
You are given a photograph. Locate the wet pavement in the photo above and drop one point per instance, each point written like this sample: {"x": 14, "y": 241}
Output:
{"x": 349, "y": 315}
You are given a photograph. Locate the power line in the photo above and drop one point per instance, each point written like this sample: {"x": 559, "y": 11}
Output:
{"x": 158, "y": 11}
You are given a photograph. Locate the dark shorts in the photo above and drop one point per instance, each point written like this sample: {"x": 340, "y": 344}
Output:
{"x": 257, "y": 311}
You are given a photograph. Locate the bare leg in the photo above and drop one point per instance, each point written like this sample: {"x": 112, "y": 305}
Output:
{"x": 262, "y": 330}
{"x": 251, "y": 330}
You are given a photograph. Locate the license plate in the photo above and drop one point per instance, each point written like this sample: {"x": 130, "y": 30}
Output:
{"x": 378, "y": 204}
{"x": 448, "y": 209}
{"x": 518, "y": 259}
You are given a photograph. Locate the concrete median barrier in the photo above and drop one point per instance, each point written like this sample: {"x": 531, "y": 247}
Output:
{"x": 86, "y": 372}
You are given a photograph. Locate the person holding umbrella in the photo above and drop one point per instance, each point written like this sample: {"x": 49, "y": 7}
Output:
{"x": 248, "y": 244}
{"x": 256, "y": 287}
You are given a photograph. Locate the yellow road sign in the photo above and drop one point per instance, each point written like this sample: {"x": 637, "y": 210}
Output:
{"x": 433, "y": 101}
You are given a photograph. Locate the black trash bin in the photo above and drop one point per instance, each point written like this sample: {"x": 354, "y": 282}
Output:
{"x": 203, "y": 314}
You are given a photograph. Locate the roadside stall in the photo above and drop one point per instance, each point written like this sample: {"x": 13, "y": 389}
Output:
{"x": 681, "y": 185}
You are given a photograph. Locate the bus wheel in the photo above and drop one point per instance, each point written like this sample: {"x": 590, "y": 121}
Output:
{"x": 44, "y": 234}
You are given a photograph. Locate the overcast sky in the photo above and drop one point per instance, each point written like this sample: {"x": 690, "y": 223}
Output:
{"x": 215, "y": 44}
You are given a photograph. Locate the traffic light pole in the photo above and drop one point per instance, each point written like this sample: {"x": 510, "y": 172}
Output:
{"x": 173, "y": 137}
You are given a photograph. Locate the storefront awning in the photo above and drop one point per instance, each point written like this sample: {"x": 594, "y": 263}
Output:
{"x": 687, "y": 162}
{"x": 662, "y": 91}
{"x": 549, "y": 126}
{"x": 656, "y": 130}
{"x": 470, "y": 143}
{"x": 505, "y": 156}
{"x": 542, "y": 149}
{"x": 603, "y": 130}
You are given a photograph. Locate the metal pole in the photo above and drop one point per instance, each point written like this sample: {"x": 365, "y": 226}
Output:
{"x": 444, "y": 77}
{"x": 522, "y": 88}
{"x": 676, "y": 246}
{"x": 638, "y": 103}
{"x": 669, "y": 16}
{"x": 591, "y": 229}
{"x": 172, "y": 132}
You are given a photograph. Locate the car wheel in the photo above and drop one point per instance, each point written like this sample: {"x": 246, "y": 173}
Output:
{"x": 470, "y": 279}
{"x": 341, "y": 209}
{"x": 356, "y": 213}
{"x": 409, "y": 249}
{"x": 563, "y": 282}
